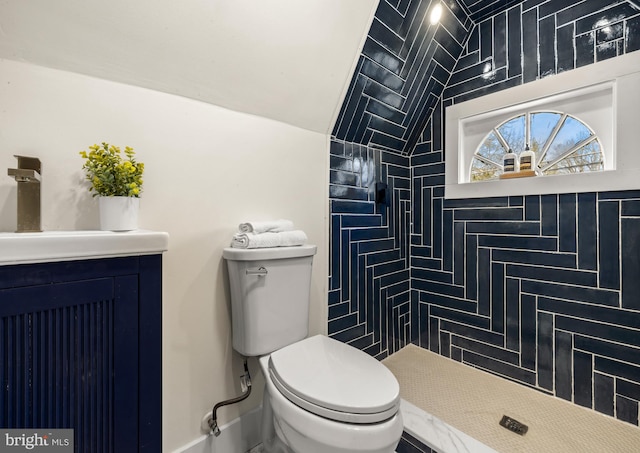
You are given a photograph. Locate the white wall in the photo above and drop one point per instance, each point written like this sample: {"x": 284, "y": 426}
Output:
{"x": 289, "y": 60}
{"x": 207, "y": 169}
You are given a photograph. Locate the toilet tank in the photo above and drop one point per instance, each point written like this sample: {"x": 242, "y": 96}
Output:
{"x": 269, "y": 296}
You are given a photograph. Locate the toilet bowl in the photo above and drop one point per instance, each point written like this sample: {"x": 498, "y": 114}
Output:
{"x": 323, "y": 396}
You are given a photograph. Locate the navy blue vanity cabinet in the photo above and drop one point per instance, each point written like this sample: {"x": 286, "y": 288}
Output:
{"x": 81, "y": 348}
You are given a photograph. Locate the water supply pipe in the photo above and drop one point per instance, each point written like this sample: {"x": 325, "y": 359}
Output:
{"x": 246, "y": 379}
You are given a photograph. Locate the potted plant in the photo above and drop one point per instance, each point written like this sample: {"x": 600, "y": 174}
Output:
{"x": 117, "y": 182}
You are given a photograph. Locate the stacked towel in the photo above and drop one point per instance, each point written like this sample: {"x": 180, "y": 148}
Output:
{"x": 269, "y": 239}
{"x": 270, "y": 226}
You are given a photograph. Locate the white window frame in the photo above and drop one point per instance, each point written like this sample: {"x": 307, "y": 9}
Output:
{"x": 604, "y": 95}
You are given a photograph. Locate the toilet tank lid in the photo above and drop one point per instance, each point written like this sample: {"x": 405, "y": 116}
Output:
{"x": 270, "y": 253}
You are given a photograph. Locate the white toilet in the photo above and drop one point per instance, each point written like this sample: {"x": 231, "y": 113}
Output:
{"x": 321, "y": 395}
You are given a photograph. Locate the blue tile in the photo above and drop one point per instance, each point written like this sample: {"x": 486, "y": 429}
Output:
{"x": 564, "y": 45}
{"x": 587, "y": 234}
{"x": 500, "y": 40}
{"x": 526, "y": 228}
{"x": 434, "y": 334}
{"x": 486, "y": 39}
{"x": 389, "y": 16}
{"x": 579, "y": 294}
{"x": 476, "y": 83}
{"x": 472, "y": 332}
{"x": 563, "y": 365}
{"x": 336, "y": 148}
{"x": 430, "y": 275}
{"x": 608, "y": 349}
{"x": 628, "y": 389}
{"x": 536, "y": 258}
{"x": 582, "y": 379}
{"x": 626, "y": 410}
{"x": 513, "y": 314}
{"x": 487, "y": 350}
{"x": 494, "y": 88}
{"x": 348, "y": 111}
{"x": 567, "y": 223}
{"x": 580, "y": 10}
{"x": 532, "y": 207}
{"x": 528, "y": 331}
{"x": 608, "y": 253}
{"x": 552, "y": 275}
{"x": 496, "y": 202}
{"x": 348, "y": 193}
{"x": 585, "y": 53}
{"x": 605, "y": 17}
{"x": 603, "y": 394}
{"x": 545, "y": 350}
{"x": 351, "y": 207}
{"x": 502, "y": 368}
{"x": 609, "y": 33}
{"x": 606, "y": 51}
{"x": 497, "y": 297}
{"x": 514, "y": 41}
{"x": 616, "y": 368}
{"x": 343, "y": 178}
{"x": 630, "y": 237}
{"x": 530, "y": 45}
{"x": 383, "y": 35}
{"x": 546, "y": 46}
{"x": 349, "y": 334}
{"x": 473, "y": 43}
{"x": 599, "y": 330}
{"x": 470, "y": 319}
{"x": 484, "y": 281}
{"x": 519, "y": 242}
{"x": 471, "y": 267}
{"x": 549, "y": 204}
{"x": 632, "y": 35}
{"x": 631, "y": 208}
{"x": 488, "y": 214}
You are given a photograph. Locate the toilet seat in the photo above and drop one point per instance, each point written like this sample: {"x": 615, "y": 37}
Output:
{"x": 335, "y": 381}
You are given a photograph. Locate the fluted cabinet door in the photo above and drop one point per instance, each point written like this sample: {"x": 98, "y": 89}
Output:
{"x": 70, "y": 352}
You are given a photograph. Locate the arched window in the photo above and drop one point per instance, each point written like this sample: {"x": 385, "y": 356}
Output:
{"x": 562, "y": 144}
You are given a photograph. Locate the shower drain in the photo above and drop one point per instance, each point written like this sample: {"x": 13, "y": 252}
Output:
{"x": 514, "y": 425}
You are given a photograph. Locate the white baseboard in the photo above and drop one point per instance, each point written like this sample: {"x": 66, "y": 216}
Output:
{"x": 237, "y": 436}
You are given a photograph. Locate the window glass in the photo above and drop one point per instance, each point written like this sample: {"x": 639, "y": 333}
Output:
{"x": 570, "y": 134}
{"x": 491, "y": 149}
{"x": 513, "y": 132}
{"x": 542, "y": 124}
{"x": 586, "y": 158}
{"x": 483, "y": 171}
{"x": 562, "y": 144}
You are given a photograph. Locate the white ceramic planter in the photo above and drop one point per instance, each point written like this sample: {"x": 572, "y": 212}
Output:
{"x": 119, "y": 213}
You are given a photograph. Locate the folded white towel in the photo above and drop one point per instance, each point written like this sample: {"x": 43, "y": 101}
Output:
{"x": 273, "y": 226}
{"x": 263, "y": 240}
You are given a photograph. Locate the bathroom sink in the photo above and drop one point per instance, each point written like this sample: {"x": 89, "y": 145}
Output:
{"x": 19, "y": 248}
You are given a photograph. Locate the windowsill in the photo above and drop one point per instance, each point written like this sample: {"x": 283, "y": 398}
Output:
{"x": 622, "y": 164}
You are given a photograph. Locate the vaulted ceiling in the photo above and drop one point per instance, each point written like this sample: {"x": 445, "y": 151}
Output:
{"x": 481, "y": 9}
{"x": 287, "y": 60}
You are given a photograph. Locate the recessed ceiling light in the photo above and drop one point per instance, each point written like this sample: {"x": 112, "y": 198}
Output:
{"x": 436, "y": 14}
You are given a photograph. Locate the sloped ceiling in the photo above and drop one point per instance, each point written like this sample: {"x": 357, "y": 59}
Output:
{"x": 288, "y": 60}
{"x": 481, "y": 9}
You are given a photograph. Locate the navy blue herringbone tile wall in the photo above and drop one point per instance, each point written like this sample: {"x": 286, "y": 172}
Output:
{"x": 543, "y": 290}
{"x": 369, "y": 273}
{"x": 401, "y": 73}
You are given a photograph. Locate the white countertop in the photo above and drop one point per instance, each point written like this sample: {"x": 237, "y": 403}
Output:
{"x": 47, "y": 246}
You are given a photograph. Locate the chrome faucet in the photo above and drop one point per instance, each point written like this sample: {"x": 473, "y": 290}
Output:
{"x": 28, "y": 176}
